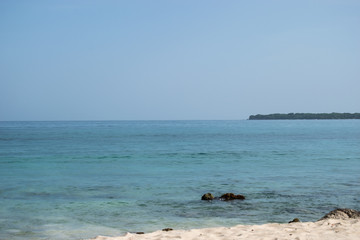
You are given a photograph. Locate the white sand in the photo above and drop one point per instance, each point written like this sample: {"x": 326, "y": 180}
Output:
{"x": 331, "y": 229}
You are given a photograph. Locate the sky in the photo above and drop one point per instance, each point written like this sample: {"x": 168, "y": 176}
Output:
{"x": 177, "y": 60}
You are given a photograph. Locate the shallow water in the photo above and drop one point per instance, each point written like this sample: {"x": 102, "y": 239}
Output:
{"x": 61, "y": 180}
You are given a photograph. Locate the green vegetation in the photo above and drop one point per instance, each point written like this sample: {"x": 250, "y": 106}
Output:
{"x": 291, "y": 116}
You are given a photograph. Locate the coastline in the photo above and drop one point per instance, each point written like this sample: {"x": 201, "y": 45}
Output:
{"x": 348, "y": 229}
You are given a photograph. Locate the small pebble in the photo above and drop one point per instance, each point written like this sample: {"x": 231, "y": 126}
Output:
{"x": 295, "y": 220}
{"x": 167, "y": 229}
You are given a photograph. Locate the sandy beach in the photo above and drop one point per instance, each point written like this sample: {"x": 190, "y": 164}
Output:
{"x": 329, "y": 229}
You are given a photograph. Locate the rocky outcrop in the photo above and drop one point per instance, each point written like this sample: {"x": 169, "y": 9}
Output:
{"x": 231, "y": 196}
{"x": 341, "y": 213}
{"x": 224, "y": 197}
{"x": 207, "y": 196}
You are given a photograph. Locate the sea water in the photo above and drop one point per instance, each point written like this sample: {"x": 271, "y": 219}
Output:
{"x": 77, "y": 180}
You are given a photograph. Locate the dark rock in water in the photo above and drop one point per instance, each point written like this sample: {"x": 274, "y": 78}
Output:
{"x": 167, "y": 229}
{"x": 294, "y": 220}
{"x": 140, "y": 233}
{"x": 341, "y": 213}
{"x": 231, "y": 196}
{"x": 207, "y": 196}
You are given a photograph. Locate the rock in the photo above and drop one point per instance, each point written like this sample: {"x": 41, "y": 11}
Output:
{"x": 341, "y": 213}
{"x": 207, "y": 196}
{"x": 294, "y": 220}
{"x": 167, "y": 229}
{"x": 231, "y": 196}
{"x": 140, "y": 233}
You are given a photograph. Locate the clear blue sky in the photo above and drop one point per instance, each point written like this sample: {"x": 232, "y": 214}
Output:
{"x": 172, "y": 59}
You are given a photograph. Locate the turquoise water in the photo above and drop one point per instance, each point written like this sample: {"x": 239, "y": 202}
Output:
{"x": 76, "y": 180}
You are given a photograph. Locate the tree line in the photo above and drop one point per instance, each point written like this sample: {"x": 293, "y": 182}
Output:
{"x": 296, "y": 116}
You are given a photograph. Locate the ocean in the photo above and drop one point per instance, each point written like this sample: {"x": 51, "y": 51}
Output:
{"x": 77, "y": 180}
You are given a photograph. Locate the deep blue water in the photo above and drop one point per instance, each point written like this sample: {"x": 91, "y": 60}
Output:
{"x": 76, "y": 180}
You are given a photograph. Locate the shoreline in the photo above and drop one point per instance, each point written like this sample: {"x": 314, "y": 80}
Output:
{"x": 348, "y": 229}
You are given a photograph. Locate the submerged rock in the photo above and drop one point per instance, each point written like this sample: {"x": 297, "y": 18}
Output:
{"x": 341, "y": 213}
{"x": 231, "y": 196}
{"x": 294, "y": 220}
{"x": 207, "y": 196}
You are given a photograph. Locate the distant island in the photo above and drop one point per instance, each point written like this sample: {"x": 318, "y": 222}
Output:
{"x": 298, "y": 116}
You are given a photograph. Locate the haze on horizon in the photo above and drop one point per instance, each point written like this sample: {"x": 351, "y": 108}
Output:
{"x": 175, "y": 60}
